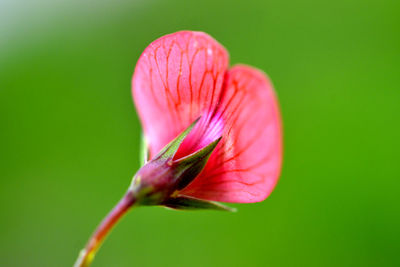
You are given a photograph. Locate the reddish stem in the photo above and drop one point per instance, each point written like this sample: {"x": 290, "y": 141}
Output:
{"x": 87, "y": 254}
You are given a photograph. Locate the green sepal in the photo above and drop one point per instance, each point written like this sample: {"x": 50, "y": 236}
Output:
{"x": 190, "y": 203}
{"x": 187, "y": 168}
{"x": 169, "y": 150}
{"x": 144, "y": 150}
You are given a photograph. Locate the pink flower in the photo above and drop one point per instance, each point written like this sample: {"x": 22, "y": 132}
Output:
{"x": 213, "y": 133}
{"x": 184, "y": 76}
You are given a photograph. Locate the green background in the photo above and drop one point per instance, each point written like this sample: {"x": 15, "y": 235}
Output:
{"x": 69, "y": 133}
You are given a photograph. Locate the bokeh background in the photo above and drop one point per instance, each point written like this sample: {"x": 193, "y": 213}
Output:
{"x": 69, "y": 133}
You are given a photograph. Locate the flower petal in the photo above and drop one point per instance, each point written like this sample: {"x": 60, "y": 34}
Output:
{"x": 246, "y": 164}
{"x": 177, "y": 78}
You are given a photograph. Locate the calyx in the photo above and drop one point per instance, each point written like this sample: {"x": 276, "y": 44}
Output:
{"x": 161, "y": 179}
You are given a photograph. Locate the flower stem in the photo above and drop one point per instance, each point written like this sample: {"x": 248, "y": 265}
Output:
{"x": 87, "y": 254}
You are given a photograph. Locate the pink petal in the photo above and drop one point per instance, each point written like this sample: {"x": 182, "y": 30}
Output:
{"x": 246, "y": 164}
{"x": 177, "y": 79}
{"x": 182, "y": 76}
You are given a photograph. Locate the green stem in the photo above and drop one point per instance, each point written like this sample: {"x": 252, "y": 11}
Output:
{"x": 87, "y": 254}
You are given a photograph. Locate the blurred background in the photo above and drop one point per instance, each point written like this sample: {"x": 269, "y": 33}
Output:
{"x": 69, "y": 133}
